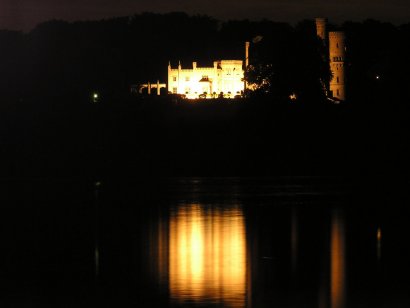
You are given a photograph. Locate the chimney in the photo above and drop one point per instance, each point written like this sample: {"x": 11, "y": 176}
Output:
{"x": 246, "y": 54}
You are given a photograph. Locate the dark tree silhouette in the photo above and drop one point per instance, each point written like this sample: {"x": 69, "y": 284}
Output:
{"x": 288, "y": 61}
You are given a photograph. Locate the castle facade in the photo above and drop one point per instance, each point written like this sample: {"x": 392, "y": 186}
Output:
{"x": 224, "y": 79}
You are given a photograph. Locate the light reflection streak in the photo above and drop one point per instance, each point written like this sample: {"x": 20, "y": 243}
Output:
{"x": 207, "y": 255}
{"x": 294, "y": 240}
{"x": 379, "y": 244}
{"x": 337, "y": 261}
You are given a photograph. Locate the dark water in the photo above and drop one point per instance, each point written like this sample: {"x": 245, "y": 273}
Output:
{"x": 202, "y": 242}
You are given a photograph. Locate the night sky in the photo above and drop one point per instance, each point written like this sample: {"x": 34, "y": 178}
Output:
{"x": 25, "y": 14}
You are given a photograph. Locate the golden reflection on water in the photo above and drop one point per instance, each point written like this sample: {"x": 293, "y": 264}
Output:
{"x": 337, "y": 261}
{"x": 379, "y": 243}
{"x": 207, "y": 255}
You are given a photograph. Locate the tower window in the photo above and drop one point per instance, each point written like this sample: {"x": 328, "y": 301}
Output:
{"x": 187, "y": 78}
{"x": 174, "y": 90}
{"x": 337, "y": 79}
{"x": 174, "y": 78}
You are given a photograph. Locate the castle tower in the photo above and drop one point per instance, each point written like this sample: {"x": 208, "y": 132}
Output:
{"x": 337, "y": 49}
{"x": 335, "y": 44}
{"x": 321, "y": 28}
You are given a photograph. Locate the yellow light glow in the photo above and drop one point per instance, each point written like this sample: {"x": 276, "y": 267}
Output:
{"x": 207, "y": 258}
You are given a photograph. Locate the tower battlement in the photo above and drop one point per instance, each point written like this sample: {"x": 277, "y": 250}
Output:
{"x": 337, "y": 34}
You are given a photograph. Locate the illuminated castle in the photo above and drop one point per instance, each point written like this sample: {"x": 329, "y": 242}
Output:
{"x": 335, "y": 42}
{"x": 224, "y": 78}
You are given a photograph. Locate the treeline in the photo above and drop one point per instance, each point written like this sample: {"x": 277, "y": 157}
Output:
{"x": 59, "y": 58}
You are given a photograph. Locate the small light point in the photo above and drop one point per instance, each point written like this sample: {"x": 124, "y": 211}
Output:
{"x": 95, "y": 97}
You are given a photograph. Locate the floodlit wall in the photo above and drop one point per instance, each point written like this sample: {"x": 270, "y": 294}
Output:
{"x": 335, "y": 42}
{"x": 337, "y": 49}
{"x": 226, "y": 76}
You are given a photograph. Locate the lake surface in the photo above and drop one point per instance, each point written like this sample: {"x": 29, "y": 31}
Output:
{"x": 207, "y": 242}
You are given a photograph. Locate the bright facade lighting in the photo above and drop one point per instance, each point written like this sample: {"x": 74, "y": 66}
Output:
{"x": 223, "y": 79}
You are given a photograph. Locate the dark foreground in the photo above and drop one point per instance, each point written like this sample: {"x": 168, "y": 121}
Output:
{"x": 72, "y": 137}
